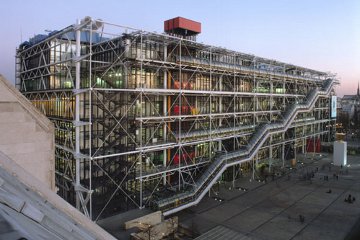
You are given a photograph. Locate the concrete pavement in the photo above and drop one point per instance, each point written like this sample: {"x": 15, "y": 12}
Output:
{"x": 294, "y": 207}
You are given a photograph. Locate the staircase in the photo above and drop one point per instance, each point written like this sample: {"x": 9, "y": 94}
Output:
{"x": 194, "y": 195}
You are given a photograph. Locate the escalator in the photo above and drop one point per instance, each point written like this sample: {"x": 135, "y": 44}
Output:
{"x": 209, "y": 177}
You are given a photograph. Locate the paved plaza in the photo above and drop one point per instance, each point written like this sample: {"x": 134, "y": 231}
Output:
{"x": 307, "y": 203}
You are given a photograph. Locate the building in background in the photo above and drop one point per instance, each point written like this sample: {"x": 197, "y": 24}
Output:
{"x": 348, "y": 109}
{"x": 350, "y": 112}
{"x": 352, "y": 99}
{"x": 154, "y": 120}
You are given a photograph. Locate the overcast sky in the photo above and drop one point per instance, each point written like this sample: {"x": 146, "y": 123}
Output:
{"x": 318, "y": 34}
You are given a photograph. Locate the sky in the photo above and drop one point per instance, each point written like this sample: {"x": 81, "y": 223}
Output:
{"x": 318, "y": 34}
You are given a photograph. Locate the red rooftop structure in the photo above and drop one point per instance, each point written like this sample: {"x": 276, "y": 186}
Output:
{"x": 182, "y": 26}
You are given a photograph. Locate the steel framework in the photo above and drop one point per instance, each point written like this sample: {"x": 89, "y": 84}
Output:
{"x": 143, "y": 119}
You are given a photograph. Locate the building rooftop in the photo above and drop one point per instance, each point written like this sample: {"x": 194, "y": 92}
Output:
{"x": 185, "y": 26}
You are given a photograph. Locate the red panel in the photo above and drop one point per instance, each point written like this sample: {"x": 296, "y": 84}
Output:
{"x": 185, "y": 158}
{"x": 176, "y": 22}
{"x": 318, "y": 145}
{"x": 176, "y": 110}
{"x": 176, "y": 159}
{"x": 310, "y": 145}
{"x": 189, "y": 25}
{"x": 184, "y": 23}
{"x": 171, "y": 26}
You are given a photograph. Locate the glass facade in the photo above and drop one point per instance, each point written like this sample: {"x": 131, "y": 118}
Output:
{"x": 159, "y": 110}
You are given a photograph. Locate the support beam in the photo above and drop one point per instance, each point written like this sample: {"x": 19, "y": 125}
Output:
{"x": 165, "y": 112}
{"x": 77, "y": 116}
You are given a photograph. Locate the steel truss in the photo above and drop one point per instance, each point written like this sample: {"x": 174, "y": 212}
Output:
{"x": 140, "y": 116}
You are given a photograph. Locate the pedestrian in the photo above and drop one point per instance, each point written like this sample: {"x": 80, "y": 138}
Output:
{"x": 349, "y": 199}
{"x": 301, "y": 218}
